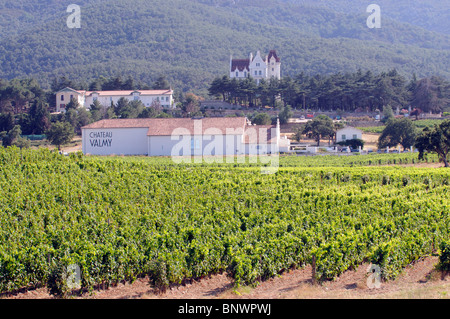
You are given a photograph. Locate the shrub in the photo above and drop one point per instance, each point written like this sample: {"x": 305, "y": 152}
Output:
{"x": 444, "y": 258}
{"x": 58, "y": 280}
{"x": 427, "y": 181}
{"x": 328, "y": 176}
{"x": 365, "y": 179}
{"x": 354, "y": 143}
{"x": 406, "y": 180}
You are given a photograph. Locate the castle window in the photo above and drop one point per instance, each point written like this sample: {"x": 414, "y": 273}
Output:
{"x": 237, "y": 74}
{"x": 62, "y": 97}
{"x": 258, "y": 64}
{"x": 260, "y": 72}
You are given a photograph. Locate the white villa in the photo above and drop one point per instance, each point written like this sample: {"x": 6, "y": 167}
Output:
{"x": 257, "y": 67}
{"x": 86, "y": 98}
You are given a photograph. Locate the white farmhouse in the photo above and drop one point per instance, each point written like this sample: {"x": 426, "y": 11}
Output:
{"x": 179, "y": 137}
{"x": 87, "y": 98}
{"x": 348, "y": 133}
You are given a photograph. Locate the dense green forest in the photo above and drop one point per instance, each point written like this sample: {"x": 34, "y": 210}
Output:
{"x": 190, "y": 41}
{"x": 349, "y": 92}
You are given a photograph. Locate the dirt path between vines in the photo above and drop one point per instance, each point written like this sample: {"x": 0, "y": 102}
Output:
{"x": 418, "y": 281}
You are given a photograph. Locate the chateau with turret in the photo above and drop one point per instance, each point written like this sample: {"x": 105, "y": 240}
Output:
{"x": 256, "y": 67}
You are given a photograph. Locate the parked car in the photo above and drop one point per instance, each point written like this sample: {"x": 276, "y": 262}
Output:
{"x": 344, "y": 149}
{"x": 354, "y": 150}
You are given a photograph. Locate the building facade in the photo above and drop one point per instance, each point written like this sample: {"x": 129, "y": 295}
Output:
{"x": 256, "y": 67}
{"x": 348, "y": 133}
{"x": 106, "y": 98}
{"x": 180, "y": 137}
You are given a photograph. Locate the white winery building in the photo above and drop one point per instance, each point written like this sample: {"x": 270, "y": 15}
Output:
{"x": 181, "y": 137}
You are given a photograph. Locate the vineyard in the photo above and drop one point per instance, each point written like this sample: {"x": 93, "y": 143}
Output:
{"x": 123, "y": 218}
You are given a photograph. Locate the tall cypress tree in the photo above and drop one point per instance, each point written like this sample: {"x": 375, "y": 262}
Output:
{"x": 39, "y": 117}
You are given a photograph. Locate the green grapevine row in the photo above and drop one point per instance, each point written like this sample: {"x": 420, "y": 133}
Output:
{"x": 122, "y": 218}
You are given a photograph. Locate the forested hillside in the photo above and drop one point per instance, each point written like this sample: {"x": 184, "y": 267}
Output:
{"x": 428, "y": 14}
{"x": 190, "y": 41}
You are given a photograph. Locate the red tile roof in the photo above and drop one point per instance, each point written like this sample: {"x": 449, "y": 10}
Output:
{"x": 167, "y": 126}
{"x": 127, "y": 92}
{"x": 240, "y": 64}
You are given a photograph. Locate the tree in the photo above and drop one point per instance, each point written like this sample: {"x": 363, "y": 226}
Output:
{"x": 95, "y": 109}
{"x": 39, "y": 117}
{"x": 320, "y": 127}
{"x": 112, "y": 84}
{"x": 20, "y": 93}
{"x": 161, "y": 83}
{"x": 190, "y": 104}
{"x": 83, "y": 118}
{"x": 61, "y": 83}
{"x": 6, "y": 121}
{"x": 148, "y": 112}
{"x": 431, "y": 94}
{"x": 21, "y": 142}
{"x": 298, "y": 134}
{"x": 285, "y": 114}
{"x": 261, "y": 119}
{"x": 398, "y": 131}
{"x": 220, "y": 86}
{"x": 388, "y": 113}
{"x": 121, "y": 107}
{"x": 353, "y": 143}
{"x": 72, "y": 105}
{"x": 60, "y": 133}
{"x": 71, "y": 117}
{"x": 436, "y": 140}
{"x": 9, "y": 138}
